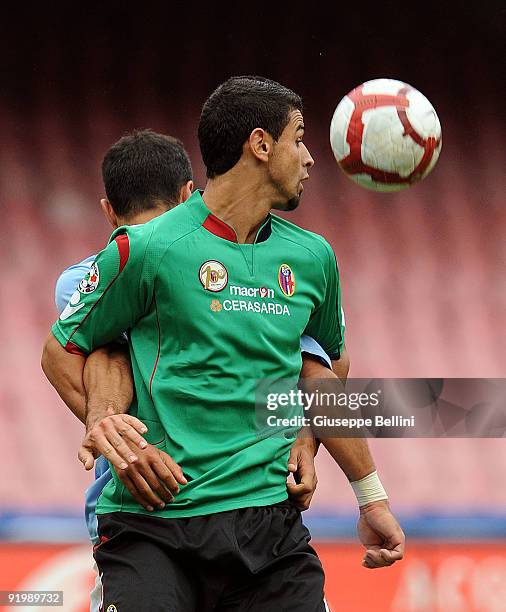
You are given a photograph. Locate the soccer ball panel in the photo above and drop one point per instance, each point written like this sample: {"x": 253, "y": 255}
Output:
{"x": 433, "y": 161}
{"x": 383, "y": 86}
{"x": 422, "y": 116}
{"x": 339, "y": 128}
{"x": 364, "y": 180}
{"x": 385, "y": 135}
{"x": 384, "y": 145}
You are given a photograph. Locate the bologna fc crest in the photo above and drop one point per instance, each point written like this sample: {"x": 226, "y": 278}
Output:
{"x": 90, "y": 281}
{"x": 286, "y": 280}
{"x": 213, "y": 275}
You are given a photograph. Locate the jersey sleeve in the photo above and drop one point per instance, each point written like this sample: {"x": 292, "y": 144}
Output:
{"x": 110, "y": 299}
{"x": 311, "y": 347}
{"x": 326, "y": 324}
{"x": 68, "y": 281}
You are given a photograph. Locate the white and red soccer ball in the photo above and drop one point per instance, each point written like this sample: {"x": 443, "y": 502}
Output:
{"x": 385, "y": 135}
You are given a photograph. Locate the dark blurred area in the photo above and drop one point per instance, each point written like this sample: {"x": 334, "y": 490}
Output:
{"x": 422, "y": 270}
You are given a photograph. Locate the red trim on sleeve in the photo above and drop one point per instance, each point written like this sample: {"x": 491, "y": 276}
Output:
{"x": 123, "y": 245}
{"x": 70, "y": 347}
{"x": 219, "y": 228}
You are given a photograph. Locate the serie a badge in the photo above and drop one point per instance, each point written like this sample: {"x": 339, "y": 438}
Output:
{"x": 90, "y": 281}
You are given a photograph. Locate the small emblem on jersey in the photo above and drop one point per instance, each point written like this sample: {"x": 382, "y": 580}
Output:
{"x": 216, "y": 306}
{"x": 286, "y": 280}
{"x": 112, "y": 608}
{"x": 213, "y": 275}
{"x": 90, "y": 281}
{"x": 72, "y": 307}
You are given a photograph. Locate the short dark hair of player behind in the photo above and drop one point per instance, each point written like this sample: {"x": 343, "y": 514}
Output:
{"x": 144, "y": 170}
{"x": 234, "y": 110}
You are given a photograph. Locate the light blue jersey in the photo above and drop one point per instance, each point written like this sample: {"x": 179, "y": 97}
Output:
{"x": 310, "y": 346}
{"x": 66, "y": 285}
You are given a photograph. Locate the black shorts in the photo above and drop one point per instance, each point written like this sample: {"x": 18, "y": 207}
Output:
{"x": 252, "y": 559}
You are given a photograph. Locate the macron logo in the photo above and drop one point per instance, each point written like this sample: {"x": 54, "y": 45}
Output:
{"x": 262, "y": 292}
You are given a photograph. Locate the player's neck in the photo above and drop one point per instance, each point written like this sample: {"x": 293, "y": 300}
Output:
{"x": 242, "y": 204}
{"x": 143, "y": 216}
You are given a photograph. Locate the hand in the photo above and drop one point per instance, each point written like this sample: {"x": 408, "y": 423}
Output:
{"x": 301, "y": 465}
{"x": 380, "y": 533}
{"x": 108, "y": 437}
{"x": 153, "y": 478}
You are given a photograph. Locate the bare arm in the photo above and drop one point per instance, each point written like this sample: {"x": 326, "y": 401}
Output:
{"x": 351, "y": 454}
{"x": 99, "y": 389}
{"x": 378, "y": 529}
{"x": 108, "y": 387}
{"x": 108, "y": 383}
{"x": 65, "y": 372}
{"x": 96, "y": 387}
{"x": 304, "y": 449}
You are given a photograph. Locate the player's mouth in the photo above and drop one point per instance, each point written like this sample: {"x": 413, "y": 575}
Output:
{"x": 301, "y": 185}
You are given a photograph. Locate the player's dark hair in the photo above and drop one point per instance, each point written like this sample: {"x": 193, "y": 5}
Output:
{"x": 143, "y": 170}
{"x": 234, "y": 110}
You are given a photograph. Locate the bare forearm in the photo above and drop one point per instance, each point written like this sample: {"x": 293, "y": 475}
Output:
{"x": 313, "y": 372}
{"x": 65, "y": 372}
{"x": 92, "y": 387}
{"x": 352, "y": 455}
{"x": 108, "y": 383}
{"x": 306, "y": 439}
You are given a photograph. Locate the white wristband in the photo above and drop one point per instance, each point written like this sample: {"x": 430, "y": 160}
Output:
{"x": 369, "y": 489}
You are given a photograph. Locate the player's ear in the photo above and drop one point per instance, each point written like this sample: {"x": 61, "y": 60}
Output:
{"x": 185, "y": 191}
{"x": 260, "y": 144}
{"x": 109, "y": 212}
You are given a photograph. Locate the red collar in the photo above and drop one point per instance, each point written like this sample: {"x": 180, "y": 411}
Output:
{"x": 219, "y": 228}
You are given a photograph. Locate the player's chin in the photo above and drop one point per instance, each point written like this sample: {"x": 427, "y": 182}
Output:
{"x": 289, "y": 203}
{"x": 292, "y": 203}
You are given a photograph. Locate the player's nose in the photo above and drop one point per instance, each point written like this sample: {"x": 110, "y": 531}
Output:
{"x": 307, "y": 160}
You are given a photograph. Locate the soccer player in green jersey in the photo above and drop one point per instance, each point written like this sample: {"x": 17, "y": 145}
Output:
{"x": 215, "y": 294}
{"x": 145, "y": 174}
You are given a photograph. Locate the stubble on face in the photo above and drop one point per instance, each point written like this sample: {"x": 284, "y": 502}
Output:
{"x": 291, "y": 204}
{"x": 287, "y": 168}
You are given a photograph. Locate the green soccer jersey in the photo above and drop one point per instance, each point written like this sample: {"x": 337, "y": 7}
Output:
{"x": 208, "y": 318}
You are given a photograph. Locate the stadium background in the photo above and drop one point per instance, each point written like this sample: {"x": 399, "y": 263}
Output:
{"x": 422, "y": 270}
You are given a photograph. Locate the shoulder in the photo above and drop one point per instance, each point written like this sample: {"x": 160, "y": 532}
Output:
{"x": 69, "y": 279}
{"x": 316, "y": 245}
{"x": 159, "y": 233}
{"x": 85, "y": 265}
